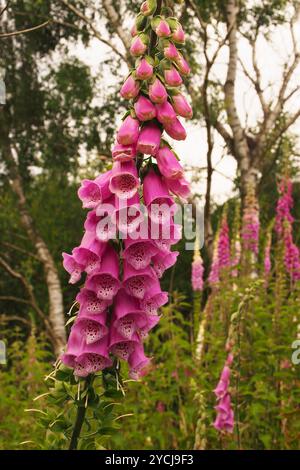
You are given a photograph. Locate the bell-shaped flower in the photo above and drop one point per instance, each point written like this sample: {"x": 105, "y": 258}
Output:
{"x": 92, "y": 193}
{"x": 175, "y": 130}
{"x": 89, "y": 253}
{"x": 149, "y": 139}
{"x": 168, "y": 164}
{"x": 90, "y": 304}
{"x": 129, "y": 215}
{"x": 72, "y": 267}
{"x": 137, "y": 282}
{"x": 128, "y": 318}
{"x": 165, "y": 113}
{"x": 163, "y": 261}
{"x": 138, "y": 362}
{"x": 154, "y": 299}
{"x": 139, "y": 252}
{"x": 124, "y": 180}
{"x": 86, "y": 358}
{"x": 121, "y": 347}
{"x": 106, "y": 282}
{"x": 92, "y": 330}
{"x": 180, "y": 187}
{"x": 181, "y": 106}
{"x": 144, "y": 109}
{"x": 123, "y": 153}
{"x": 129, "y": 131}
{"x": 157, "y": 199}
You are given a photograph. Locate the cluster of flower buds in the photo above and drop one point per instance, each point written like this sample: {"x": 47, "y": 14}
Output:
{"x": 197, "y": 269}
{"x": 250, "y": 222}
{"x": 126, "y": 246}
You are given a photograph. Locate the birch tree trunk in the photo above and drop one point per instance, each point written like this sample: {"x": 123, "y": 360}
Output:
{"x": 55, "y": 297}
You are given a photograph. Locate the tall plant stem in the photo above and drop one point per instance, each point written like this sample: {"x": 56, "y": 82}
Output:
{"x": 153, "y": 34}
{"x": 81, "y": 412}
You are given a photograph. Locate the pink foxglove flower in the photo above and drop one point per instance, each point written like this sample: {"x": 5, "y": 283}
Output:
{"x": 180, "y": 187}
{"x": 267, "y": 257}
{"x": 154, "y": 299}
{"x": 130, "y": 88}
{"x": 225, "y": 416}
{"x": 182, "y": 107}
{"x": 213, "y": 277}
{"x": 128, "y": 133}
{"x": 197, "y": 274}
{"x": 170, "y": 51}
{"x": 168, "y": 164}
{"x": 144, "y": 109}
{"x": 172, "y": 77}
{"x": 144, "y": 70}
{"x": 159, "y": 203}
{"x": 164, "y": 261}
{"x": 137, "y": 282}
{"x": 224, "y": 245}
{"x": 138, "y": 253}
{"x": 123, "y": 153}
{"x": 176, "y": 130}
{"x": 129, "y": 215}
{"x": 128, "y": 317}
{"x": 157, "y": 92}
{"x": 138, "y": 46}
{"x": 124, "y": 181}
{"x": 182, "y": 65}
{"x": 149, "y": 139}
{"x": 94, "y": 192}
{"x": 106, "y": 281}
{"x": 284, "y": 228}
{"x": 178, "y": 35}
{"x": 163, "y": 29}
{"x": 165, "y": 113}
{"x": 121, "y": 296}
{"x": 72, "y": 267}
{"x": 284, "y": 205}
{"x": 149, "y": 7}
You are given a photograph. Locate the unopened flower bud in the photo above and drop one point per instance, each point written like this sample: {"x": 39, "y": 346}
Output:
{"x": 149, "y": 7}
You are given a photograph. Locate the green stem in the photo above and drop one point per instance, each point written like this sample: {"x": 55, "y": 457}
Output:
{"x": 153, "y": 34}
{"x": 81, "y": 412}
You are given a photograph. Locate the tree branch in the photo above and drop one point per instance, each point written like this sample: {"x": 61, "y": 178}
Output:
{"x": 23, "y": 31}
{"x": 115, "y": 22}
{"x": 95, "y": 32}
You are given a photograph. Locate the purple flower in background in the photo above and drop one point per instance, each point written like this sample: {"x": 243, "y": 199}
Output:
{"x": 250, "y": 223}
{"x": 197, "y": 274}
{"x": 224, "y": 245}
{"x": 224, "y": 421}
{"x": 213, "y": 277}
{"x": 284, "y": 228}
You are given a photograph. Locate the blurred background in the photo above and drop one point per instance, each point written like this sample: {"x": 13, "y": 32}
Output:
{"x": 59, "y": 109}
